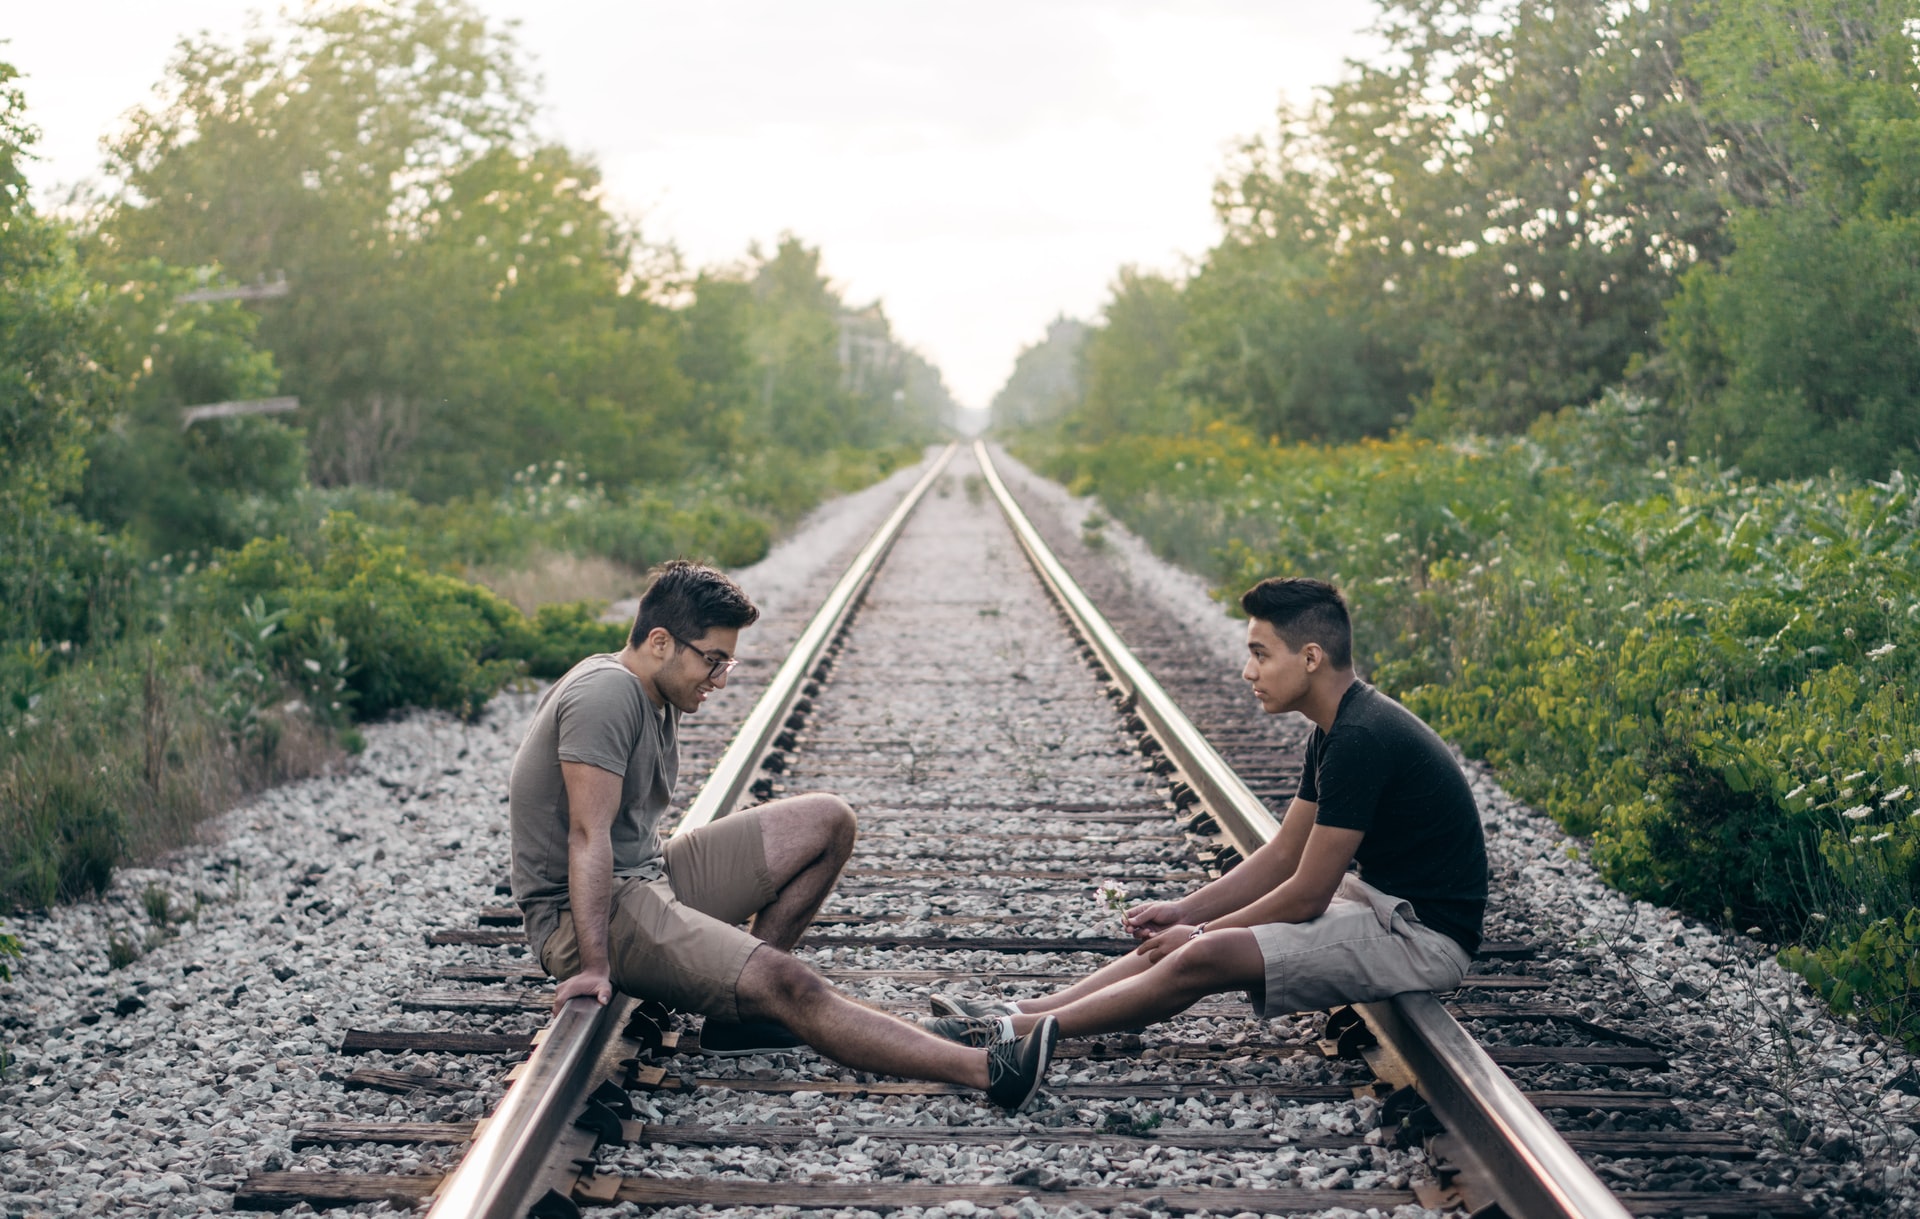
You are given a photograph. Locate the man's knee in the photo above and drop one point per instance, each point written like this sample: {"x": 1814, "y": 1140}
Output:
{"x": 828, "y": 821}
{"x": 774, "y": 985}
{"x": 1205, "y": 963}
{"x": 842, "y": 827}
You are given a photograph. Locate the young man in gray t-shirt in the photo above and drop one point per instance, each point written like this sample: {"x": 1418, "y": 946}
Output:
{"x": 607, "y": 904}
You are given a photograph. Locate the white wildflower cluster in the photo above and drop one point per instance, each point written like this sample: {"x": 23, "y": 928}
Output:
{"x": 1898, "y": 793}
{"x": 1857, "y": 813}
{"x": 1882, "y": 652}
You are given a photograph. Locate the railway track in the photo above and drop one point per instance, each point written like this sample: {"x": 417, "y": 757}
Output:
{"x": 1002, "y": 765}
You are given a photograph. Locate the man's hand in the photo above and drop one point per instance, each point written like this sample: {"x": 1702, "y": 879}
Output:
{"x": 1166, "y": 941}
{"x": 596, "y": 984}
{"x": 1151, "y": 918}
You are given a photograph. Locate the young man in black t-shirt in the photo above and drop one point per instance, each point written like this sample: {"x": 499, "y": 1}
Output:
{"x": 1292, "y": 925}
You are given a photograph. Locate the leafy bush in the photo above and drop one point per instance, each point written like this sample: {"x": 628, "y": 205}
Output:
{"x": 559, "y": 635}
{"x": 1712, "y": 676}
{"x": 140, "y": 698}
{"x": 650, "y": 530}
{"x": 269, "y": 655}
{"x": 411, "y": 637}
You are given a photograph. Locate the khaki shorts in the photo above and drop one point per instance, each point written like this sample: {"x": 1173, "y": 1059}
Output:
{"x": 1367, "y": 946}
{"x": 677, "y": 939}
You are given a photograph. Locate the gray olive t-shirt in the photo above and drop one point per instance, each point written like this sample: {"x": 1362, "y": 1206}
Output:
{"x": 598, "y": 714}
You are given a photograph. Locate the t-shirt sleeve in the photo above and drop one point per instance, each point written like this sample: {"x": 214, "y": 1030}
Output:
{"x": 1353, "y": 774}
{"x": 1309, "y": 769}
{"x": 597, "y": 720}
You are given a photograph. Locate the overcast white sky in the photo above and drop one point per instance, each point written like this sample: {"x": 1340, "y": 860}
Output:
{"x": 980, "y": 167}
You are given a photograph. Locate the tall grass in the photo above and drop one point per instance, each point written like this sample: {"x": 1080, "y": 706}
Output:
{"x": 131, "y": 749}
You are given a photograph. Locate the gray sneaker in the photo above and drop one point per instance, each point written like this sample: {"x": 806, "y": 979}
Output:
{"x": 980, "y": 1032}
{"x": 951, "y": 1005}
{"x": 1016, "y": 1069}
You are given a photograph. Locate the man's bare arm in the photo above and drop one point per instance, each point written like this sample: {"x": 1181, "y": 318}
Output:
{"x": 1260, "y": 873}
{"x": 593, "y": 797}
{"x": 1308, "y": 891}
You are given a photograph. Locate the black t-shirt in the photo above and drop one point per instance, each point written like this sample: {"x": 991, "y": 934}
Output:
{"x": 1384, "y": 772}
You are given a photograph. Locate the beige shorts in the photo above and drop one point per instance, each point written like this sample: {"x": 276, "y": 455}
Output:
{"x": 1367, "y": 946}
{"x": 678, "y": 939}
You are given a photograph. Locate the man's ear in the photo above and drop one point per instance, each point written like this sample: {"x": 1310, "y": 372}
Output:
{"x": 1313, "y": 654}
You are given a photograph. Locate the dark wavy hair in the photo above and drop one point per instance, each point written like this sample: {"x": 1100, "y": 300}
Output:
{"x": 688, "y": 599}
{"x": 1303, "y": 611}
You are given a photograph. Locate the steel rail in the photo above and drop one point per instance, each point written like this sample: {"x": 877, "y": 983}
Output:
{"x": 1517, "y": 1155}
{"x": 742, "y": 758}
{"x": 508, "y": 1158}
{"x": 1239, "y": 812}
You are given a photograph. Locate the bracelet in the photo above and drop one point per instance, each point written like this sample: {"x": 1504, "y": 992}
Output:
{"x": 1198, "y": 928}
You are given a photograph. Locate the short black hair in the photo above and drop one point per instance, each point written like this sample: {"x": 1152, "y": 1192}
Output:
{"x": 1303, "y": 611}
{"x": 689, "y": 599}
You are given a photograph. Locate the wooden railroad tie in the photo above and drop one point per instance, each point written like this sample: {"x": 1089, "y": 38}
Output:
{"x": 1663, "y": 1143}
{"x": 433, "y": 1041}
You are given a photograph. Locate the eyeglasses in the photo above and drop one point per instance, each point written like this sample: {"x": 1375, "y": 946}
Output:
{"x": 719, "y": 664}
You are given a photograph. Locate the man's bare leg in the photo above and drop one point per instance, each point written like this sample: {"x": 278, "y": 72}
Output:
{"x": 775, "y": 986}
{"x": 1115, "y": 971}
{"x": 1228, "y": 959}
{"x": 808, "y": 841}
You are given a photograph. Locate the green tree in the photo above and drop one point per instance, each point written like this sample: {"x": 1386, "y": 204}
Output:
{"x": 463, "y": 303}
{"x": 1044, "y": 385}
{"x": 923, "y": 404}
{"x": 327, "y": 151}
{"x": 551, "y": 349}
{"x": 1274, "y": 340}
{"x": 1515, "y": 188}
{"x": 51, "y": 387}
{"x": 795, "y": 343}
{"x": 715, "y": 355}
{"x": 179, "y": 488}
{"x": 1129, "y": 360}
{"x": 1794, "y": 352}
{"x": 54, "y": 394}
{"x": 825, "y": 373}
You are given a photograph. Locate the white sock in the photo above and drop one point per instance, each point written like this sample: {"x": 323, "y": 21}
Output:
{"x": 1006, "y": 1028}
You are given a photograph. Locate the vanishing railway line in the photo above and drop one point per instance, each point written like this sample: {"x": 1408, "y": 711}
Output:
{"x": 1002, "y": 766}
